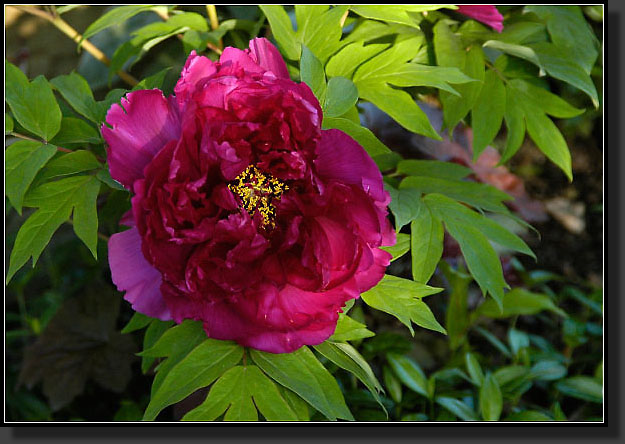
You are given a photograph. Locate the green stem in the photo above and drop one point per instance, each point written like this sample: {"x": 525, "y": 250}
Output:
{"x": 60, "y": 148}
{"x": 501, "y": 76}
{"x": 66, "y": 29}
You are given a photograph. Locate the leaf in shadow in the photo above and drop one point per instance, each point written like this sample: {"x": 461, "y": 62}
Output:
{"x": 80, "y": 343}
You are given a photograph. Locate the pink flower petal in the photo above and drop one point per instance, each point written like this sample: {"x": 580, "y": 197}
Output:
{"x": 487, "y": 14}
{"x": 268, "y": 56}
{"x": 141, "y": 126}
{"x": 234, "y": 57}
{"x": 195, "y": 69}
{"x": 367, "y": 278}
{"x": 342, "y": 159}
{"x": 132, "y": 273}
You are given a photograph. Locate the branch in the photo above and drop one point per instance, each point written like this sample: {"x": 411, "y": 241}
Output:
{"x": 60, "y": 148}
{"x": 66, "y": 29}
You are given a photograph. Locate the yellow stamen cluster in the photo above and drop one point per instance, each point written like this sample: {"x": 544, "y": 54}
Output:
{"x": 258, "y": 191}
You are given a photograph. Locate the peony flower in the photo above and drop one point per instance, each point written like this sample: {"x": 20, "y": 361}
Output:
{"x": 245, "y": 215}
{"x": 487, "y": 14}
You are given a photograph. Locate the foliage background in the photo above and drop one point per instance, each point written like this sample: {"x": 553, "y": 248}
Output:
{"x": 568, "y": 269}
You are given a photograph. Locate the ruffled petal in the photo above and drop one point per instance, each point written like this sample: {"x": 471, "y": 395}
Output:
{"x": 132, "y": 273}
{"x": 268, "y": 56}
{"x": 368, "y": 277}
{"x": 195, "y": 69}
{"x": 487, "y": 14}
{"x": 342, "y": 159}
{"x": 233, "y": 58}
{"x": 141, "y": 126}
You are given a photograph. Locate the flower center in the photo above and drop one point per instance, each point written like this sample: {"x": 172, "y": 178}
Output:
{"x": 258, "y": 191}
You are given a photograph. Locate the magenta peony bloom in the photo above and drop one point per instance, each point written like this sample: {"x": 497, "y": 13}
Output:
{"x": 245, "y": 215}
{"x": 487, "y": 14}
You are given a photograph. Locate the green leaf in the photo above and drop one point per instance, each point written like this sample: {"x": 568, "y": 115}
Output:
{"x": 359, "y": 133}
{"x": 402, "y": 299}
{"x": 392, "y": 384}
{"x": 154, "y": 331}
{"x": 400, "y": 248}
{"x": 495, "y": 342}
{"x": 348, "y": 358}
{"x": 521, "y": 32}
{"x": 581, "y": 387}
{"x": 137, "y": 322}
{"x": 104, "y": 176}
{"x": 345, "y": 62}
{"x": 311, "y": 72}
{"x": 195, "y": 40}
{"x": 528, "y": 415}
{"x": 515, "y": 123}
{"x": 153, "y": 81}
{"x": 558, "y": 65}
{"x": 456, "y": 318}
{"x": 481, "y": 259}
{"x": 191, "y": 20}
{"x": 231, "y": 393}
{"x": 487, "y": 114}
{"x": 70, "y": 163}
{"x": 542, "y": 99}
{"x": 372, "y": 86}
{"x": 122, "y": 54}
{"x": 367, "y": 30}
{"x": 521, "y": 51}
{"x": 409, "y": 373}
{"x": 282, "y": 30}
{"x": 491, "y": 400}
{"x": 33, "y": 104}
{"x": 519, "y": 301}
{"x": 558, "y": 414}
{"x": 414, "y": 74}
{"x": 451, "y": 53}
{"x": 75, "y": 131}
{"x": 391, "y": 60}
{"x": 449, "y": 210}
{"x": 85, "y": 217}
{"x": 75, "y": 89}
{"x": 474, "y": 369}
{"x": 433, "y": 168}
{"x": 548, "y": 139}
{"x": 479, "y": 195}
{"x": 426, "y": 244}
{"x": 570, "y": 31}
{"x": 23, "y": 159}
{"x": 320, "y": 29}
{"x": 421, "y": 315}
{"x": 302, "y": 373}
{"x": 236, "y": 392}
{"x": 517, "y": 340}
{"x": 512, "y": 378}
{"x": 199, "y": 368}
{"x": 399, "y": 105}
{"x": 548, "y": 371}
{"x": 56, "y": 200}
{"x": 175, "y": 338}
{"x": 457, "y": 407}
{"x": 403, "y": 14}
{"x": 114, "y": 17}
{"x": 347, "y": 329}
{"x": 8, "y": 123}
{"x": 297, "y": 404}
{"x": 405, "y": 205}
{"x": 341, "y": 96}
